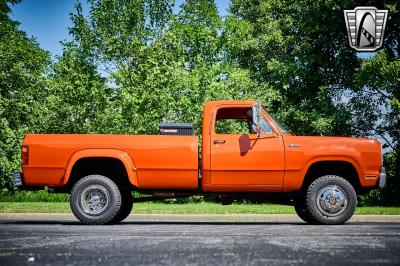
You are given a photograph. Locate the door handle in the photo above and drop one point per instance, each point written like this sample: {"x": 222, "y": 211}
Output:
{"x": 219, "y": 141}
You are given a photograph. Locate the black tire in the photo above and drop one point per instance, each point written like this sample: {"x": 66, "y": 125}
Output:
{"x": 302, "y": 211}
{"x": 330, "y": 199}
{"x": 96, "y": 199}
{"x": 127, "y": 203}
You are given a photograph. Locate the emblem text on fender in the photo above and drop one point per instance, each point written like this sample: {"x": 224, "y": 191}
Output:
{"x": 294, "y": 145}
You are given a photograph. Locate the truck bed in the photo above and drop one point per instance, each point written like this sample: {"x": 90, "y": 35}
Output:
{"x": 160, "y": 162}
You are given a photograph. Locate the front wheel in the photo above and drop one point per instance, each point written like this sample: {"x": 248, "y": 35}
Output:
{"x": 330, "y": 199}
{"x": 96, "y": 199}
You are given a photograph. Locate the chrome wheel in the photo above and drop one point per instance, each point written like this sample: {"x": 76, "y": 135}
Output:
{"x": 94, "y": 199}
{"x": 331, "y": 200}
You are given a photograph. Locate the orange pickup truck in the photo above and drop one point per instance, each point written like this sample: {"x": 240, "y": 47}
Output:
{"x": 244, "y": 153}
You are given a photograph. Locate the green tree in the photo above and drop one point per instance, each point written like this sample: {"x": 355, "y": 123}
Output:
{"x": 22, "y": 89}
{"x": 159, "y": 67}
{"x": 120, "y": 38}
{"x": 298, "y": 49}
{"x": 78, "y": 100}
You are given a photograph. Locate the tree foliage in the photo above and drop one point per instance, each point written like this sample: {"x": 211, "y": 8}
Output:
{"x": 299, "y": 52}
{"x": 22, "y": 88}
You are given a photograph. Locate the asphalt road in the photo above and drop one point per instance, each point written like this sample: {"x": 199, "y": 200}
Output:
{"x": 60, "y": 241}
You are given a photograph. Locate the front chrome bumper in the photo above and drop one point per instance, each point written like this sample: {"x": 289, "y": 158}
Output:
{"x": 382, "y": 177}
{"x": 17, "y": 180}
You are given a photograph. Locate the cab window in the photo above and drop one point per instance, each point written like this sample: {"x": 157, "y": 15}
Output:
{"x": 238, "y": 121}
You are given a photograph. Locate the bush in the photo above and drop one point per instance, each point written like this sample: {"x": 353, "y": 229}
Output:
{"x": 32, "y": 196}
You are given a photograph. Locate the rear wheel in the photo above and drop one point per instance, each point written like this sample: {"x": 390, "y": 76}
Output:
{"x": 96, "y": 199}
{"x": 330, "y": 199}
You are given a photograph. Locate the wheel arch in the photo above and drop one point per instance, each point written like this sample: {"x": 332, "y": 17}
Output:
{"x": 344, "y": 167}
{"x": 113, "y": 154}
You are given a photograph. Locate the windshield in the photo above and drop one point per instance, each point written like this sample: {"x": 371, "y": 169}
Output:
{"x": 281, "y": 127}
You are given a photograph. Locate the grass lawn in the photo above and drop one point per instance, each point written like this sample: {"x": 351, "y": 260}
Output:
{"x": 188, "y": 208}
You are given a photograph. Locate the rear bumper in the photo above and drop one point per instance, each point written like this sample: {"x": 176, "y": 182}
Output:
{"x": 382, "y": 177}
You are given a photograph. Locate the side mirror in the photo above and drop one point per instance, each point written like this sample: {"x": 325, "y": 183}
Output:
{"x": 256, "y": 117}
{"x": 244, "y": 144}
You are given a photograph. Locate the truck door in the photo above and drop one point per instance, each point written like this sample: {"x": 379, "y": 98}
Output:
{"x": 240, "y": 159}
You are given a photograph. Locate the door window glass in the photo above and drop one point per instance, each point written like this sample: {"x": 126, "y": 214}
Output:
{"x": 232, "y": 126}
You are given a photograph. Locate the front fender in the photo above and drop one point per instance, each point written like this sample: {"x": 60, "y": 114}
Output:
{"x": 104, "y": 153}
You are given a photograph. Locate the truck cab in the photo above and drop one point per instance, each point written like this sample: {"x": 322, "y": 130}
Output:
{"x": 236, "y": 155}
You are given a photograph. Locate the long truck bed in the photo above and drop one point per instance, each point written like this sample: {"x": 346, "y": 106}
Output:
{"x": 155, "y": 161}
